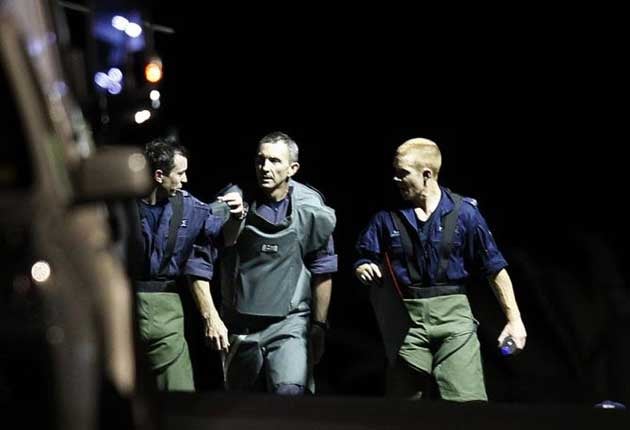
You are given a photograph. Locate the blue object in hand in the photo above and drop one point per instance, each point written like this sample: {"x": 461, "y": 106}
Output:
{"x": 507, "y": 347}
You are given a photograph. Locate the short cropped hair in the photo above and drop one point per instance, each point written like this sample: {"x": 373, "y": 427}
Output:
{"x": 280, "y": 137}
{"x": 423, "y": 152}
{"x": 160, "y": 153}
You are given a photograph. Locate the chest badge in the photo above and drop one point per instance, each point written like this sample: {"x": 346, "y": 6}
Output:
{"x": 269, "y": 248}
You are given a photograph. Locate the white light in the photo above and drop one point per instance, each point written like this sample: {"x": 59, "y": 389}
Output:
{"x": 37, "y": 45}
{"x": 154, "y": 95}
{"x": 115, "y": 74}
{"x": 133, "y": 30}
{"x": 120, "y": 22}
{"x": 102, "y": 80}
{"x": 142, "y": 116}
{"x": 114, "y": 88}
{"x": 40, "y": 272}
{"x": 136, "y": 162}
{"x": 58, "y": 90}
{"x": 60, "y": 87}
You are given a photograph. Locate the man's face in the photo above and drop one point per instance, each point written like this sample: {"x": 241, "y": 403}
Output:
{"x": 409, "y": 180}
{"x": 273, "y": 167}
{"x": 177, "y": 177}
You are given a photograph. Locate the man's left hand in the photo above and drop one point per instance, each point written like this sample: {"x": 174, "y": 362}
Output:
{"x": 317, "y": 343}
{"x": 516, "y": 329}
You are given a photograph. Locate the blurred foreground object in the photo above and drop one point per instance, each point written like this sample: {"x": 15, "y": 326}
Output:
{"x": 66, "y": 302}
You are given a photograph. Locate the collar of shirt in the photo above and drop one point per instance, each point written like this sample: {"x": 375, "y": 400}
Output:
{"x": 445, "y": 206}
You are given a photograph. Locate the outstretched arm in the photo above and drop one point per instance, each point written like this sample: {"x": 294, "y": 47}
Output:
{"x": 238, "y": 210}
{"x": 503, "y": 290}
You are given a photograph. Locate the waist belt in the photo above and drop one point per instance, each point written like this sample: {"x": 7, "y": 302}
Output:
{"x": 414, "y": 292}
{"x": 155, "y": 286}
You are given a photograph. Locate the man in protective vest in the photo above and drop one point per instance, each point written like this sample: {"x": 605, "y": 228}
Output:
{"x": 276, "y": 279}
{"x": 417, "y": 260}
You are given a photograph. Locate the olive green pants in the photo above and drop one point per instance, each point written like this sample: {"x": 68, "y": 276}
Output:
{"x": 161, "y": 323}
{"x": 441, "y": 342}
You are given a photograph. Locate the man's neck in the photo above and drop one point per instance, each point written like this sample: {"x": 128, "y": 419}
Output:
{"x": 279, "y": 193}
{"x": 156, "y": 196}
{"x": 426, "y": 206}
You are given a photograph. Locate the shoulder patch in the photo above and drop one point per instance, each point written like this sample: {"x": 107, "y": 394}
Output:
{"x": 471, "y": 201}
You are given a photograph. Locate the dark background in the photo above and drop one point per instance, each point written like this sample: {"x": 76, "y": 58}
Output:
{"x": 529, "y": 129}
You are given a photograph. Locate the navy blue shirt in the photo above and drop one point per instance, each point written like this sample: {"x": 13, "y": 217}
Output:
{"x": 197, "y": 235}
{"x": 152, "y": 213}
{"x": 473, "y": 244}
{"x": 320, "y": 262}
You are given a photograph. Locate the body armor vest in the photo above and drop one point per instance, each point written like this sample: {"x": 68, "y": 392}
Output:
{"x": 264, "y": 274}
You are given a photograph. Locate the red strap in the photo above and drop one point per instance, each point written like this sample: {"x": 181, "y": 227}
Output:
{"x": 391, "y": 273}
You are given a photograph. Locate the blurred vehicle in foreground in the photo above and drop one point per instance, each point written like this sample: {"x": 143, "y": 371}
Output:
{"x": 65, "y": 301}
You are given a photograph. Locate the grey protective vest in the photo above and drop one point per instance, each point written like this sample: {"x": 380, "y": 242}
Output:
{"x": 264, "y": 273}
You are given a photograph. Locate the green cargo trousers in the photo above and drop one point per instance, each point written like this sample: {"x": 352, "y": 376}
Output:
{"x": 441, "y": 342}
{"x": 161, "y": 323}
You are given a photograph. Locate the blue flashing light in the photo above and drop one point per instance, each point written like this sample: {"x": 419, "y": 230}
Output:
{"x": 115, "y": 74}
{"x": 102, "y": 80}
{"x": 114, "y": 88}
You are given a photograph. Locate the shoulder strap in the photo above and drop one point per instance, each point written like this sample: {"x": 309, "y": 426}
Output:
{"x": 446, "y": 244}
{"x": 176, "y": 219}
{"x": 410, "y": 250}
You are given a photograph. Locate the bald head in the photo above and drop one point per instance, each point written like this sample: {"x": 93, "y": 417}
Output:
{"x": 421, "y": 153}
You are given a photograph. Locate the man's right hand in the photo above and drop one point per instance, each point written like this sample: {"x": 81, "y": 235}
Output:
{"x": 216, "y": 332}
{"x": 368, "y": 274}
{"x": 235, "y": 202}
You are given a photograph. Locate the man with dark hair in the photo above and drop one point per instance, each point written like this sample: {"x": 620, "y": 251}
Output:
{"x": 426, "y": 252}
{"x": 176, "y": 241}
{"x": 276, "y": 279}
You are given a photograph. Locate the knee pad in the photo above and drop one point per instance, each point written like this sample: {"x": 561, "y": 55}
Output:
{"x": 288, "y": 390}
